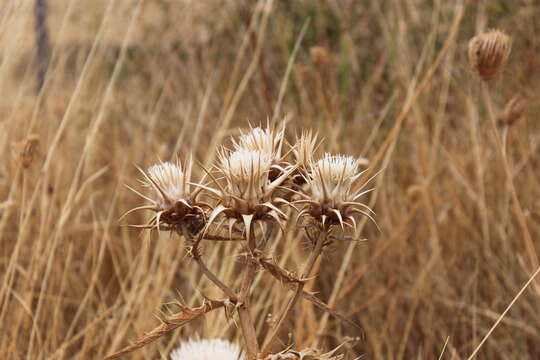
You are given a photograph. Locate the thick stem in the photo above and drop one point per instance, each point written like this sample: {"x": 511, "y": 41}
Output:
{"x": 246, "y": 321}
{"x": 205, "y": 270}
{"x": 272, "y": 337}
{"x": 531, "y": 251}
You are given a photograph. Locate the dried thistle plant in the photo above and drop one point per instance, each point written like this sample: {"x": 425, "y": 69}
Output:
{"x": 256, "y": 183}
{"x": 488, "y": 53}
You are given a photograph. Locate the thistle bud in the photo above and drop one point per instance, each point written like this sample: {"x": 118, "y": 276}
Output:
{"x": 488, "y": 53}
{"x": 514, "y": 110}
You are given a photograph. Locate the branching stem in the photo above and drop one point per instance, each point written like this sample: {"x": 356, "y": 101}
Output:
{"x": 272, "y": 337}
{"x": 205, "y": 270}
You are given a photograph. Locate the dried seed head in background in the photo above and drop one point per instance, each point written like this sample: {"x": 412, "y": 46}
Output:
{"x": 319, "y": 55}
{"x": 331, "y": 199}
{"x": 488, "y": 53}
{"x": 174, "y": 203}
{"x": 514, "y": 110}
{"x": 414, "y": 194}
{"x": 27, "y": 150}
{"x": 212, "y": 349}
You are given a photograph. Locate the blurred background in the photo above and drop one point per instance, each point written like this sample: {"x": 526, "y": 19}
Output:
{"x": 118, "y": 83}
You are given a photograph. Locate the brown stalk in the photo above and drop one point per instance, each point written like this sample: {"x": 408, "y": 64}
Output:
{"x": 246, "y": 321}
{"x": 531, "y": 251}
{"x": 272, "y": 337}
{"x": 205, "y": 270}
{"x": 290, "y": 282}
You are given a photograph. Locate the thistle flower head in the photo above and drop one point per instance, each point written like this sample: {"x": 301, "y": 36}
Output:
{"x": 169, "y": 182}
{"x": 212, "y": 349}
{"x": 173, "y": 203}
{"x": 488, "y": 53}
{"x": 332, "y": 178}
{"x": 258, "y": 139}
{"x": 249, "y": 193}
{"x": 331, "y": 198}
{"x": 246, "y": 173}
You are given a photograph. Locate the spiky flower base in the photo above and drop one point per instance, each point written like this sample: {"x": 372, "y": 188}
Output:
{"x": 306, "y": 354}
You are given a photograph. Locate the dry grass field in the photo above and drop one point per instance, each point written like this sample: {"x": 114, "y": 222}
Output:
{"x": 131, "y": 82}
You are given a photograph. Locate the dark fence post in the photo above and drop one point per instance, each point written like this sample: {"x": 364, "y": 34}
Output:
{"x": 42, "y": 42}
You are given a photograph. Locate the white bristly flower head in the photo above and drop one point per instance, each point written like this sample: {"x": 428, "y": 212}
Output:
{"x": 331, "y": 199}
{"x": 332, "y": 178}
{"x": 213, "y": 349}
{"x": 249, "y": 194}
{"x": 174, "y": 203}
{"x": 246, "y": 173}
{"x": 168, "y": 181}
{"x": 258, "y": 139}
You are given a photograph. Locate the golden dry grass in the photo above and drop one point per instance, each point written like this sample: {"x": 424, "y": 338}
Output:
{"x": 134, "y": 81}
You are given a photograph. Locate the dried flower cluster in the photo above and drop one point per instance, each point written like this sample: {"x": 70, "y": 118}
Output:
{"x": 253, "y": 185}
{"x": 254, "y": 182}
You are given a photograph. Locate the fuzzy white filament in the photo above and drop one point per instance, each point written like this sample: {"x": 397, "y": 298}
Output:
{"x": 333, "y": 176}
{"x": 213, "y": 349}
{"x": 169, "y": 181}
{"x": 259, "y": 139}
{"x": 246, "y": 172}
